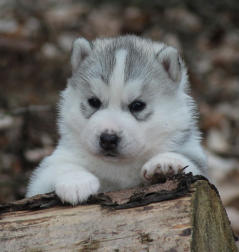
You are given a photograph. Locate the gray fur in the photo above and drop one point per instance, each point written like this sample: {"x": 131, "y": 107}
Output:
{"x": 140, "y": 64}
{"x": 101, "y": 61}
{"x": 199, "y": 163}
{"x": 185, "y": 135}
{"x": 86, "y": 111}
{"x": 143, "y": 116}
{"x": 107, "y": 63}
{"x": 136, "y": 61}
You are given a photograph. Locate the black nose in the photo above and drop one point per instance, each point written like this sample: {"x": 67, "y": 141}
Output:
{"x": 109, "y": 141}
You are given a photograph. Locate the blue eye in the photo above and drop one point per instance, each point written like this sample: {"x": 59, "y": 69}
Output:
{"x": 94, "y": 102}
{"x": 137, "y": 106}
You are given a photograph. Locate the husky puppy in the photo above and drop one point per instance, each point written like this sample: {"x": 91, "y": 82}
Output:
{"x": 125, "y": 115}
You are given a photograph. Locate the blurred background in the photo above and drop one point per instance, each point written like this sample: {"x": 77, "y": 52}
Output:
{"x": 35, "y": 44}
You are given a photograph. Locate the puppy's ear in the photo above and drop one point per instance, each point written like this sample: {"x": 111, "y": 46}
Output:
{"x": 171, "y": 62}
{"x": 81, "y": 49}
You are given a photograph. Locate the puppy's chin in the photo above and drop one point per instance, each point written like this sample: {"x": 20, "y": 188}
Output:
{"x": 111, "y": 156}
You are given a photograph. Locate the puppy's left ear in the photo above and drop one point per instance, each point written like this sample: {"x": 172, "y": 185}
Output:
{"x": 171, "y": 62}
{"x": 81, "y": 49}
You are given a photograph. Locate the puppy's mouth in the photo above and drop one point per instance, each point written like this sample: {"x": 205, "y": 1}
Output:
{"x": 110, "y": 154}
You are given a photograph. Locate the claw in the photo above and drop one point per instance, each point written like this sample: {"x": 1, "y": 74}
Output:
{"x": 147, "y": 177}
{"x": 181, "y": 170}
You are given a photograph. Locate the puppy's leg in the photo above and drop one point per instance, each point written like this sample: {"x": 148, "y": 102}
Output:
{"x": 61, "y": 174}
{"x": 168, "y": 163}
{"x": 76, "y": 186}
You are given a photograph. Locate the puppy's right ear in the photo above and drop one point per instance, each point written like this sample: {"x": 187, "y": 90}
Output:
{"x": 171, "y": 62}
{"x": 81, "y": 49}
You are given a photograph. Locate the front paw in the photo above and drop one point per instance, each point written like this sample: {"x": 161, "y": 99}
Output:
{"x": 162, "y": 165}
{"x": 76, "y": 188}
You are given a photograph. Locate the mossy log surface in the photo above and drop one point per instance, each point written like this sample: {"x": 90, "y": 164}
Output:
{"x": 183, "y": 214}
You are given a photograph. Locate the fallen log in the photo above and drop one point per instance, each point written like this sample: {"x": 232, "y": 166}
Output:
{"x": 184, "y": 213}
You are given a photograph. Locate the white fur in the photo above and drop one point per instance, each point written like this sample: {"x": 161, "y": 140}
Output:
{"x": 78, "y": 169}
{"x": 117, "y": 78}
{"x": 164, "y": 162}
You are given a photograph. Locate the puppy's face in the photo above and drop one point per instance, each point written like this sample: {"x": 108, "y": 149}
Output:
{"x": 119, "y": 99}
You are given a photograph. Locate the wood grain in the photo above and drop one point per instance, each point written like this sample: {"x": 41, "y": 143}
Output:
{"x": 194, "y": 222}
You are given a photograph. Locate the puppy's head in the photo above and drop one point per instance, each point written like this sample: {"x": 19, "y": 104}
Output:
{"x": 125, "y": 97}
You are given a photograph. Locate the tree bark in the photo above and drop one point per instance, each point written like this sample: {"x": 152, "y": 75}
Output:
{"x": 163, "y": 217}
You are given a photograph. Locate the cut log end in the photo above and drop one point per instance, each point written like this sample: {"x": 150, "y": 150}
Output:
{"x": 211, "y": 227}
